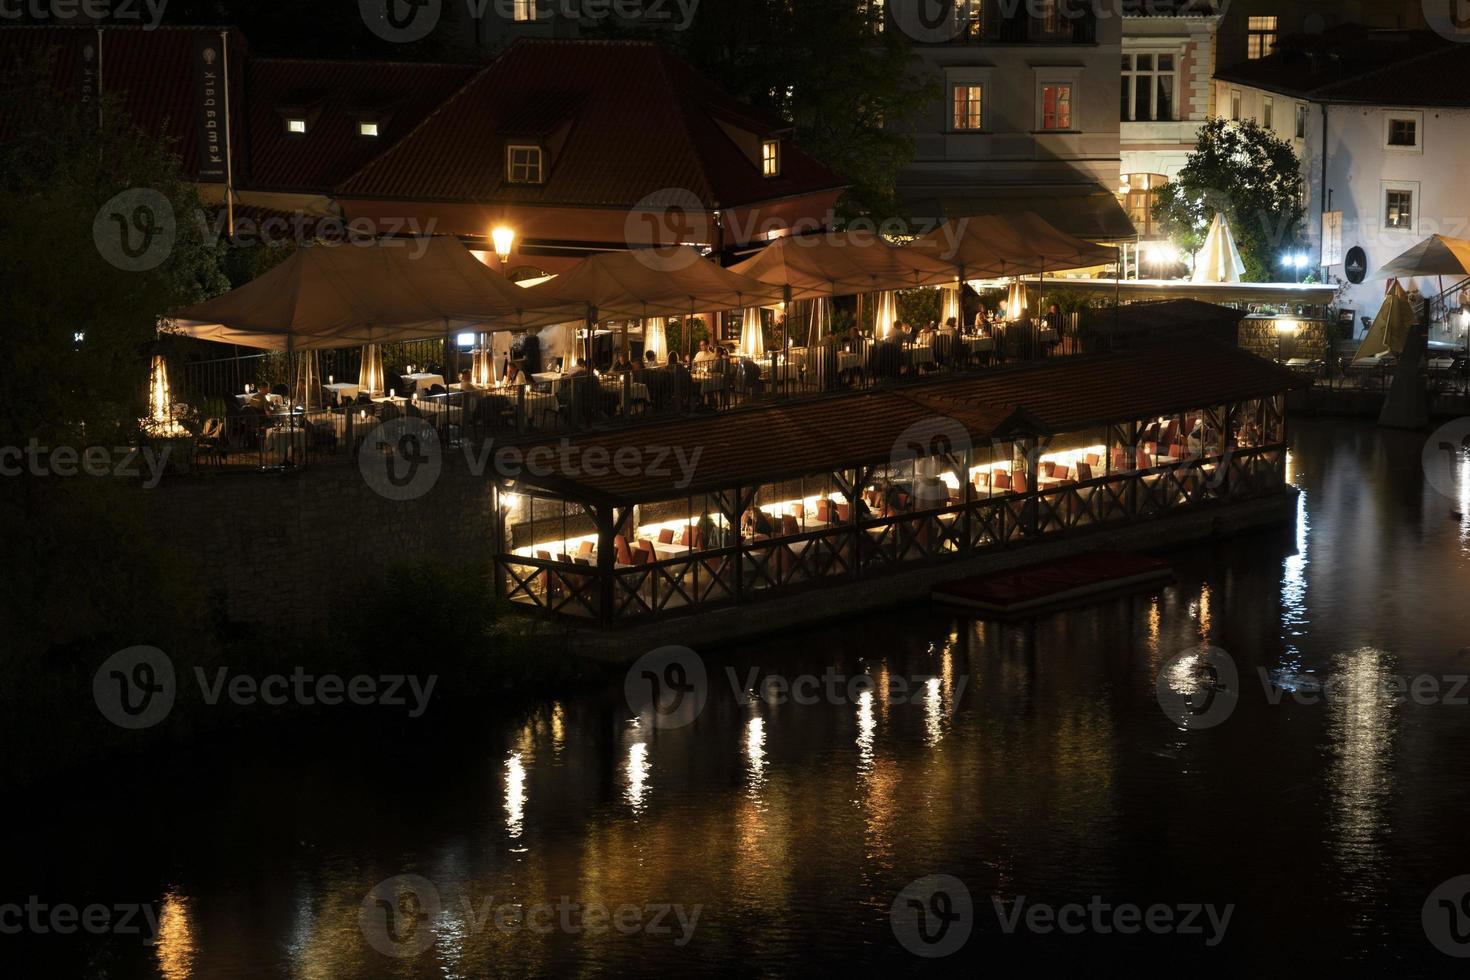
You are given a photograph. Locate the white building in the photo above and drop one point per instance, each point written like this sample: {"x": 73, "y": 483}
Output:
{"x": 1168, "y": 59}
{"x": 1381, "y": 122}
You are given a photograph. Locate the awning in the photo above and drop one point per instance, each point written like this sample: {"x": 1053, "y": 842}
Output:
{"x": 841, "y": 264}
{"x": 1015, "y": 244}
{"x": 344, "y": 295}
{"x": 1087, "y": 211}
{"x": 645, "y": 282}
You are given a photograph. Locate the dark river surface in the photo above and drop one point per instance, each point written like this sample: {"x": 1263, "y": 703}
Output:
{"x": 1030, "y": 762}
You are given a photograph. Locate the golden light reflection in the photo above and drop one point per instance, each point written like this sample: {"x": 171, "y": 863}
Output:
{"x": 867, "y": 727}
{"x": 1294, "y": 581}
{"x": 637, "y": 769}
{"x": 175, "y": 944}
{"x": 933, "y": 711}
{"x": 755, "y": 754}
{"x": 1362, "y": 774}
{"x": 1203, "y": 612}
{"x": 515, "y": 796}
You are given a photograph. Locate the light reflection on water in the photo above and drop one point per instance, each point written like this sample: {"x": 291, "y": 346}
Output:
{"x": 1032, "y": 759}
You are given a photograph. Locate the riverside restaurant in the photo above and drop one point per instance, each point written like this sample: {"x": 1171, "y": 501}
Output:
{"x": 738, "y": 507}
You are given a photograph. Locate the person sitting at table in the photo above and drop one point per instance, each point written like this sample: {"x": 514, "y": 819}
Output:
{"x": 927, "y": 335}
{"x": 864, "y": 512}
{"x": 259, "y": 400}
{"x": 705, "y": 355}
{"x": 756, "y": 521}
{"x": 579, "y": 366}
{"x": 951, "y": 325}
{"x": 650, "y": 358}
{"x": 512, "y": 374}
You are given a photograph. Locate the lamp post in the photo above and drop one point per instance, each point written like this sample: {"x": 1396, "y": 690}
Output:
{"x": 504, "y": 239}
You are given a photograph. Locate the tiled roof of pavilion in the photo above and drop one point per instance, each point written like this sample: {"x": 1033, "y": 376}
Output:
{"x": 793, "y": 439}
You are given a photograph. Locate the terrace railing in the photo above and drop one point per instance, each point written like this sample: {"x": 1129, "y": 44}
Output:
{"x": 751, "y": 569}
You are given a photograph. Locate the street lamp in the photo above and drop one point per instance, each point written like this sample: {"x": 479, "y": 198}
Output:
{"x": 503, "y": 238}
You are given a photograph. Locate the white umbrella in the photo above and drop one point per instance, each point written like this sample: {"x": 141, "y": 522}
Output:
{"x": 370, "y": 374}
{"x": 885, "y": 313}
{"x": 654, "y": 338}
{"x": 1016, "y": 301}
{"x": 752, "y": 338}
{"x": 950, "y": 307}
{"x": 1218, "y": 260}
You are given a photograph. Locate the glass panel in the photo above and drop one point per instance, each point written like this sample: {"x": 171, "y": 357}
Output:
{"x": 1165, "y": 109}
{"x": 1141, "y": 108}
{"x": 1166, "y": 62}
{"x": 1145, "y": 62}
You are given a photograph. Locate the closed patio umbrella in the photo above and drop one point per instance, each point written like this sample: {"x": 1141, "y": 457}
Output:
{"x": 1391, "y": 326}
{"x": 752, "y": 336}
{"x": 370, "y": 373}
{"x": 1218, "y": 260}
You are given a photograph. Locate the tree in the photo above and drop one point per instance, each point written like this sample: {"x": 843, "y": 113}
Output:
{"x": 99, "y": 235}
{"x": 1250, "y": 175}
{"x": 819, "y": 65}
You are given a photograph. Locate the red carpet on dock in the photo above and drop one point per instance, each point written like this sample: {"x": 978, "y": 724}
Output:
{"x": 1036, "y": 588}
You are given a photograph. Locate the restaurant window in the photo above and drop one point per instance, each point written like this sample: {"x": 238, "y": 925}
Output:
{"x": 968, "y": 109}
{"x": 1139, "y": 193}
{"x": 1260, "y": 36}
{"x": 1056, "y": 107}
{"x": 1398, "y": 208}
{"x": 969, "y": 18}
{"x": 296, "y": 126}
{"x": 771, "y": 158}
{"x": 1401, "y": 132}
{"x": 524, "y": 11}
{"x": 1235, "y": 106}
{"x": 367, "y": 129}
{"x": 523, "y": 164}
{"x": 1301, "y": 120}
{"x": 1266, "y": 107}
{"x": 1148, "y": 87}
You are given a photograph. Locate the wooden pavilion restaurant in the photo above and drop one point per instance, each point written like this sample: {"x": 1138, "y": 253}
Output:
{"x": 817, "y": 493}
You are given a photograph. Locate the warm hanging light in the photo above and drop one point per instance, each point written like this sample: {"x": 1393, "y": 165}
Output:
{"x": 503, "y": 238}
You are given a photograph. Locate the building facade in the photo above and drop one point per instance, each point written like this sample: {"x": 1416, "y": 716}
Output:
{"x": 1380, "y": 131}
{"x": 1251, "y": 29}
{"x": 1167, "y": 91}
{"x": 1027, "y": 118}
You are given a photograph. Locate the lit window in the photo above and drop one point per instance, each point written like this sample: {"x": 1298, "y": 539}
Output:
{"x": 1266, "y": 108}
{"x": 1403, "y": 132}
{"x": 969, "y": 18}
{"x": 367, "y": 129}
{"x": 1398, "y": 209}
{"x": 296, "y": 125}
{"x": 967, "y": 107}
{"x": 1301, "y": 120}
{"x": 1148, "y": 87}
{"x": 1260, "y": 36}
{"x": 523, "y": 164}
{"x": 1049, "y": 19}
{"x": 771, "y": 158}
{"x": 1056, "y": 107}
{"x": 525, "y": 10}
{"x": 1139, "y": 193}
{"x": 1235, "y": 106}
{"x": 876, "y": 14}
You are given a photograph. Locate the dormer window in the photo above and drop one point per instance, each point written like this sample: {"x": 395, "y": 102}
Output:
{"x": 771, "y": 158}
{"x": 296, "y": 125}
{"x": 523, "y": 165}
{"x": 366, "y": 128}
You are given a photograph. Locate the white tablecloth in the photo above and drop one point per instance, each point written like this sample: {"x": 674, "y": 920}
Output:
{"x": 272, "y": 399}
{"x": 847, "y": 360}
{"x": 921, "y": 355}
{"x": 279, "y": 442}
{"x": 423, "y": 381}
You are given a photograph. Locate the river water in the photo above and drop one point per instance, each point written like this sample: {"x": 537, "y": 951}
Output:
{"x": 1032, "y": 763}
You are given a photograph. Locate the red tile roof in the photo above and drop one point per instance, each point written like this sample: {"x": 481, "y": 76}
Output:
{"x": 1068, "y": 394}
{"x": 335, "y": 96}
{"x": 634, "y": 119}
{"x": 150, "y": 70}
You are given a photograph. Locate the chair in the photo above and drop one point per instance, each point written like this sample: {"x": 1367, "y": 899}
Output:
{"x": 1084, "y": 472}
{"x": 438, "y": 390}
{"x": 843, "y": 512}
{"x": 585, "y": 548}
{"x": 1093, "y": 459}
{"x": 1144, "y": 460}
{"x": 582, "y": 561}
{"x": 789, "y": 527}
{"x": 1001, "y": 480}
{"x": 545, "y": 555}
{"x": 624, "y": 554}
{"x": 799, "y": 510}
{"x": 825, "y": 511}
{"x": 1019, "y": 483}
{"x": 684, "y": 536}
{"x": 642, "y": 556}
{"x": 666, "y": 536}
